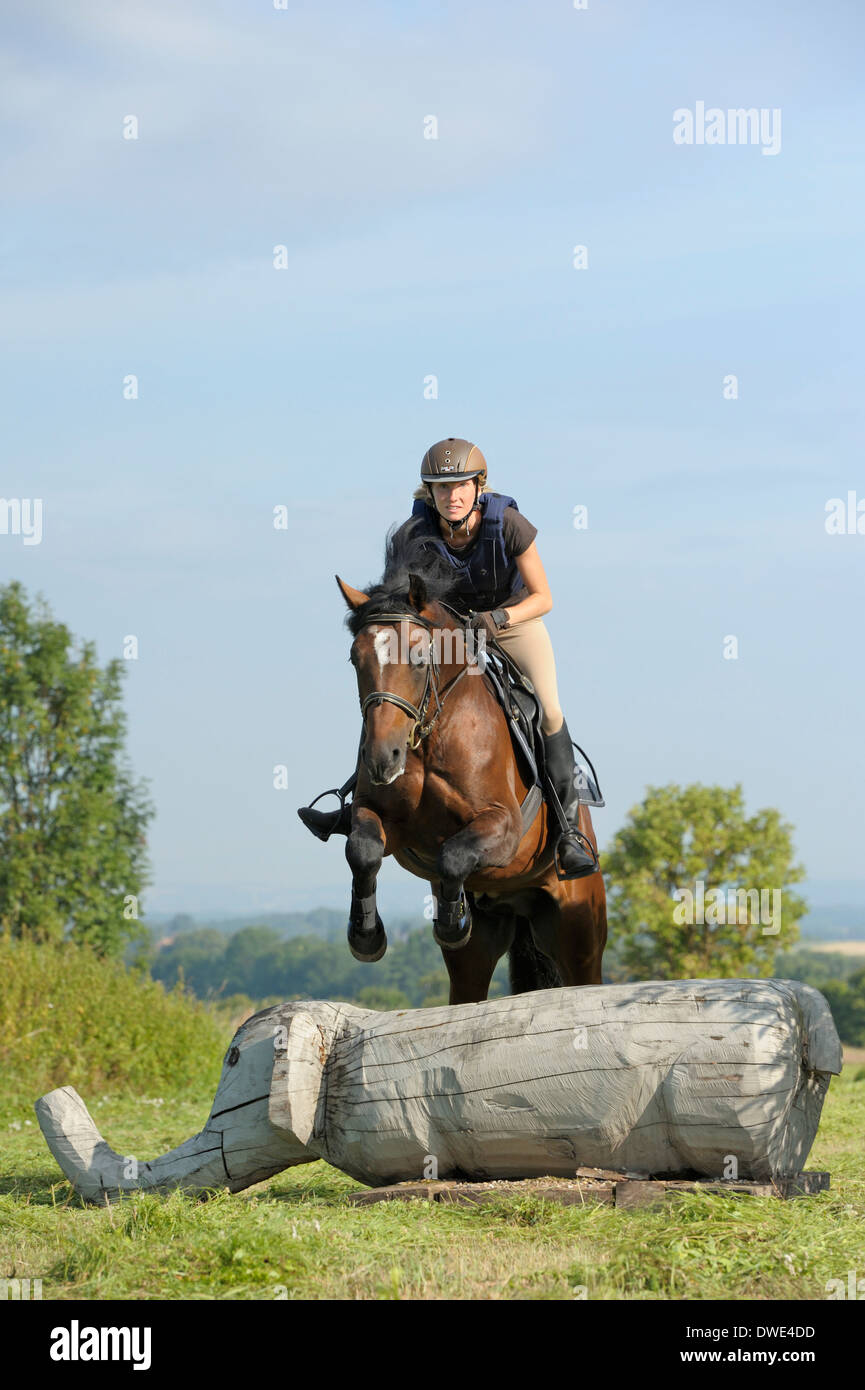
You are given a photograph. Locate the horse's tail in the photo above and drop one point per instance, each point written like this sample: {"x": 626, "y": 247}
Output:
{"x": 528, "y": 967}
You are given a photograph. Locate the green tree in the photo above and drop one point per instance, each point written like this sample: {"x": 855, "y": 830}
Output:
{"x": 240, "y": 962}
{"x": 198, "y": 959}
{"x": 72, "y": 820}
{"x": 686, "y": 854}
{"x": 434, "y": 989}
{"x": 384, "y": 1000}
{"x": 847, "y": 1002}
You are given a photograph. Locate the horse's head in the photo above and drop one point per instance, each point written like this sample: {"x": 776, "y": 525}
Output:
{"x": 391, "y": 655}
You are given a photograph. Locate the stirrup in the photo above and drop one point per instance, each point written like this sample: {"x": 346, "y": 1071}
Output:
{"x": 321, "y": 832}
{"x": 574, "y": 836}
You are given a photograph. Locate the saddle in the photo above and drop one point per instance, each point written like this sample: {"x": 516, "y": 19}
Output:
{"x": 523, "y": 710}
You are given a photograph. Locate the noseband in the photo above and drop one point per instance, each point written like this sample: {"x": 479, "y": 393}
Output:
{"x": 422, "y": 726}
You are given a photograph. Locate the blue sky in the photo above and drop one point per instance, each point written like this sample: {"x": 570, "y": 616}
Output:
{"x": 408, "y": 257}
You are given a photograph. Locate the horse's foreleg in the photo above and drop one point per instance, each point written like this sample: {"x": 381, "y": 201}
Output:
{"x": 471, "y": 970}
{"x": 491, "y": 839}
{"x": 364, "y": 850}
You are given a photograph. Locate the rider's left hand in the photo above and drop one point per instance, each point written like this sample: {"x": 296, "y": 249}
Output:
{"x": 492, "y": 621}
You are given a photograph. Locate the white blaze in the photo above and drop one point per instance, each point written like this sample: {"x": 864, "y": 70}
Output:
{"x": 383, "y": 647}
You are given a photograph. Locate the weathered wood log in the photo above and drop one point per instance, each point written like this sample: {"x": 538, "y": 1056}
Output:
{"x": 716, "y": 1078}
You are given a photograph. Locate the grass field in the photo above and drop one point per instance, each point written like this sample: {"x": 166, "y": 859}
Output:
{"x": 843, "y": 948}
{"x": 296, "y": 1237}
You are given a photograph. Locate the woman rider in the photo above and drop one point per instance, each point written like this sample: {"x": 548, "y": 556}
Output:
{"x": 499, "y": 574}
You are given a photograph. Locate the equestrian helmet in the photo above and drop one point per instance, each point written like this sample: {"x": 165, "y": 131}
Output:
{"x": 450, "y": 458}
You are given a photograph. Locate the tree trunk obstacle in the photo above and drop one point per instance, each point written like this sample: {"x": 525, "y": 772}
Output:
{"x": 717, "y": 1079}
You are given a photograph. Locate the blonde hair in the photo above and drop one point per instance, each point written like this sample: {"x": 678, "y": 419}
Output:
{"x": 424, "y": 494}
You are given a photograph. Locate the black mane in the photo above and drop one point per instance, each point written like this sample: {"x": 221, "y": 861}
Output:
{"x": 405, "y": 554}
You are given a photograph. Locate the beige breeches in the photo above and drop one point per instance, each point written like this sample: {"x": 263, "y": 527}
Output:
{"x": 530, "y": 647}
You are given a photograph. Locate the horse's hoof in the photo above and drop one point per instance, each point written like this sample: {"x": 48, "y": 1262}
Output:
{"x": 366, "y": 943}
{"x": 452, "y": 926}
{"x": 367, "y": 946}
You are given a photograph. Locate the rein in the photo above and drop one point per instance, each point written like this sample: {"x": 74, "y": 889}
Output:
{"x": 422, "y": 726}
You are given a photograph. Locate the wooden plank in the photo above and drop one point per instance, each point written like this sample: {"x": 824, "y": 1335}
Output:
{"x": 627, "y": 1193}
{"x": 639, "y": 1194}
{"x": 576, "y": 1193}
{"x": 803, "y": 1184}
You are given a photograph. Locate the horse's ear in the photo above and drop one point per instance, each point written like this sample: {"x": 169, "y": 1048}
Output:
{"x": 353, "y": 597}
{"x": 417, "y": 594}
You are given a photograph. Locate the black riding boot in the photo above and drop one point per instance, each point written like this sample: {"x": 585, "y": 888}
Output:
{"x": 326, "y": 823}
{"x": 575, "y": 854}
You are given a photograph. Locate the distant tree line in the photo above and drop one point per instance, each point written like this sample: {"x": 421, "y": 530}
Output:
{"x": 260, "y": 963}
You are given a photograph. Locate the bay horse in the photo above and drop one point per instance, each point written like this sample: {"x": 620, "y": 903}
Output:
{"x": 442, "y": 794}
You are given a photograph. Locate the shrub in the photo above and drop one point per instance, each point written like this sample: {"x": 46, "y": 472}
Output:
{"x": 71, "y": 1017}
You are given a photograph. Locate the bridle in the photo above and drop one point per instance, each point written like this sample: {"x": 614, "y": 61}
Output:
{"x": 422, "y": 726}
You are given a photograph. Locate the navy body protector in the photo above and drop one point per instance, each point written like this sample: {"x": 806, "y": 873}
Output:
{"x": 486, "y": 576}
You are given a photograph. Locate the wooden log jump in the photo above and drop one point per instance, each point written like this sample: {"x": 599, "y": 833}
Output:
{"x": 719, "y": 1078}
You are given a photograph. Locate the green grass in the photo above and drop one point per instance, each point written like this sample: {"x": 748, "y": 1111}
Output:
{"x": 147, "y": 1061}
{"x": 297, "y": 1237}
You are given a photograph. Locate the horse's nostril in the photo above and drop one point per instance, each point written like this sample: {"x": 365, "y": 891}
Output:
{"x": 394, "y": 752}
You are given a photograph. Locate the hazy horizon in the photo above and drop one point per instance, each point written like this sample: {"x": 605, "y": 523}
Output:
{"x": 403, "y": 899}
